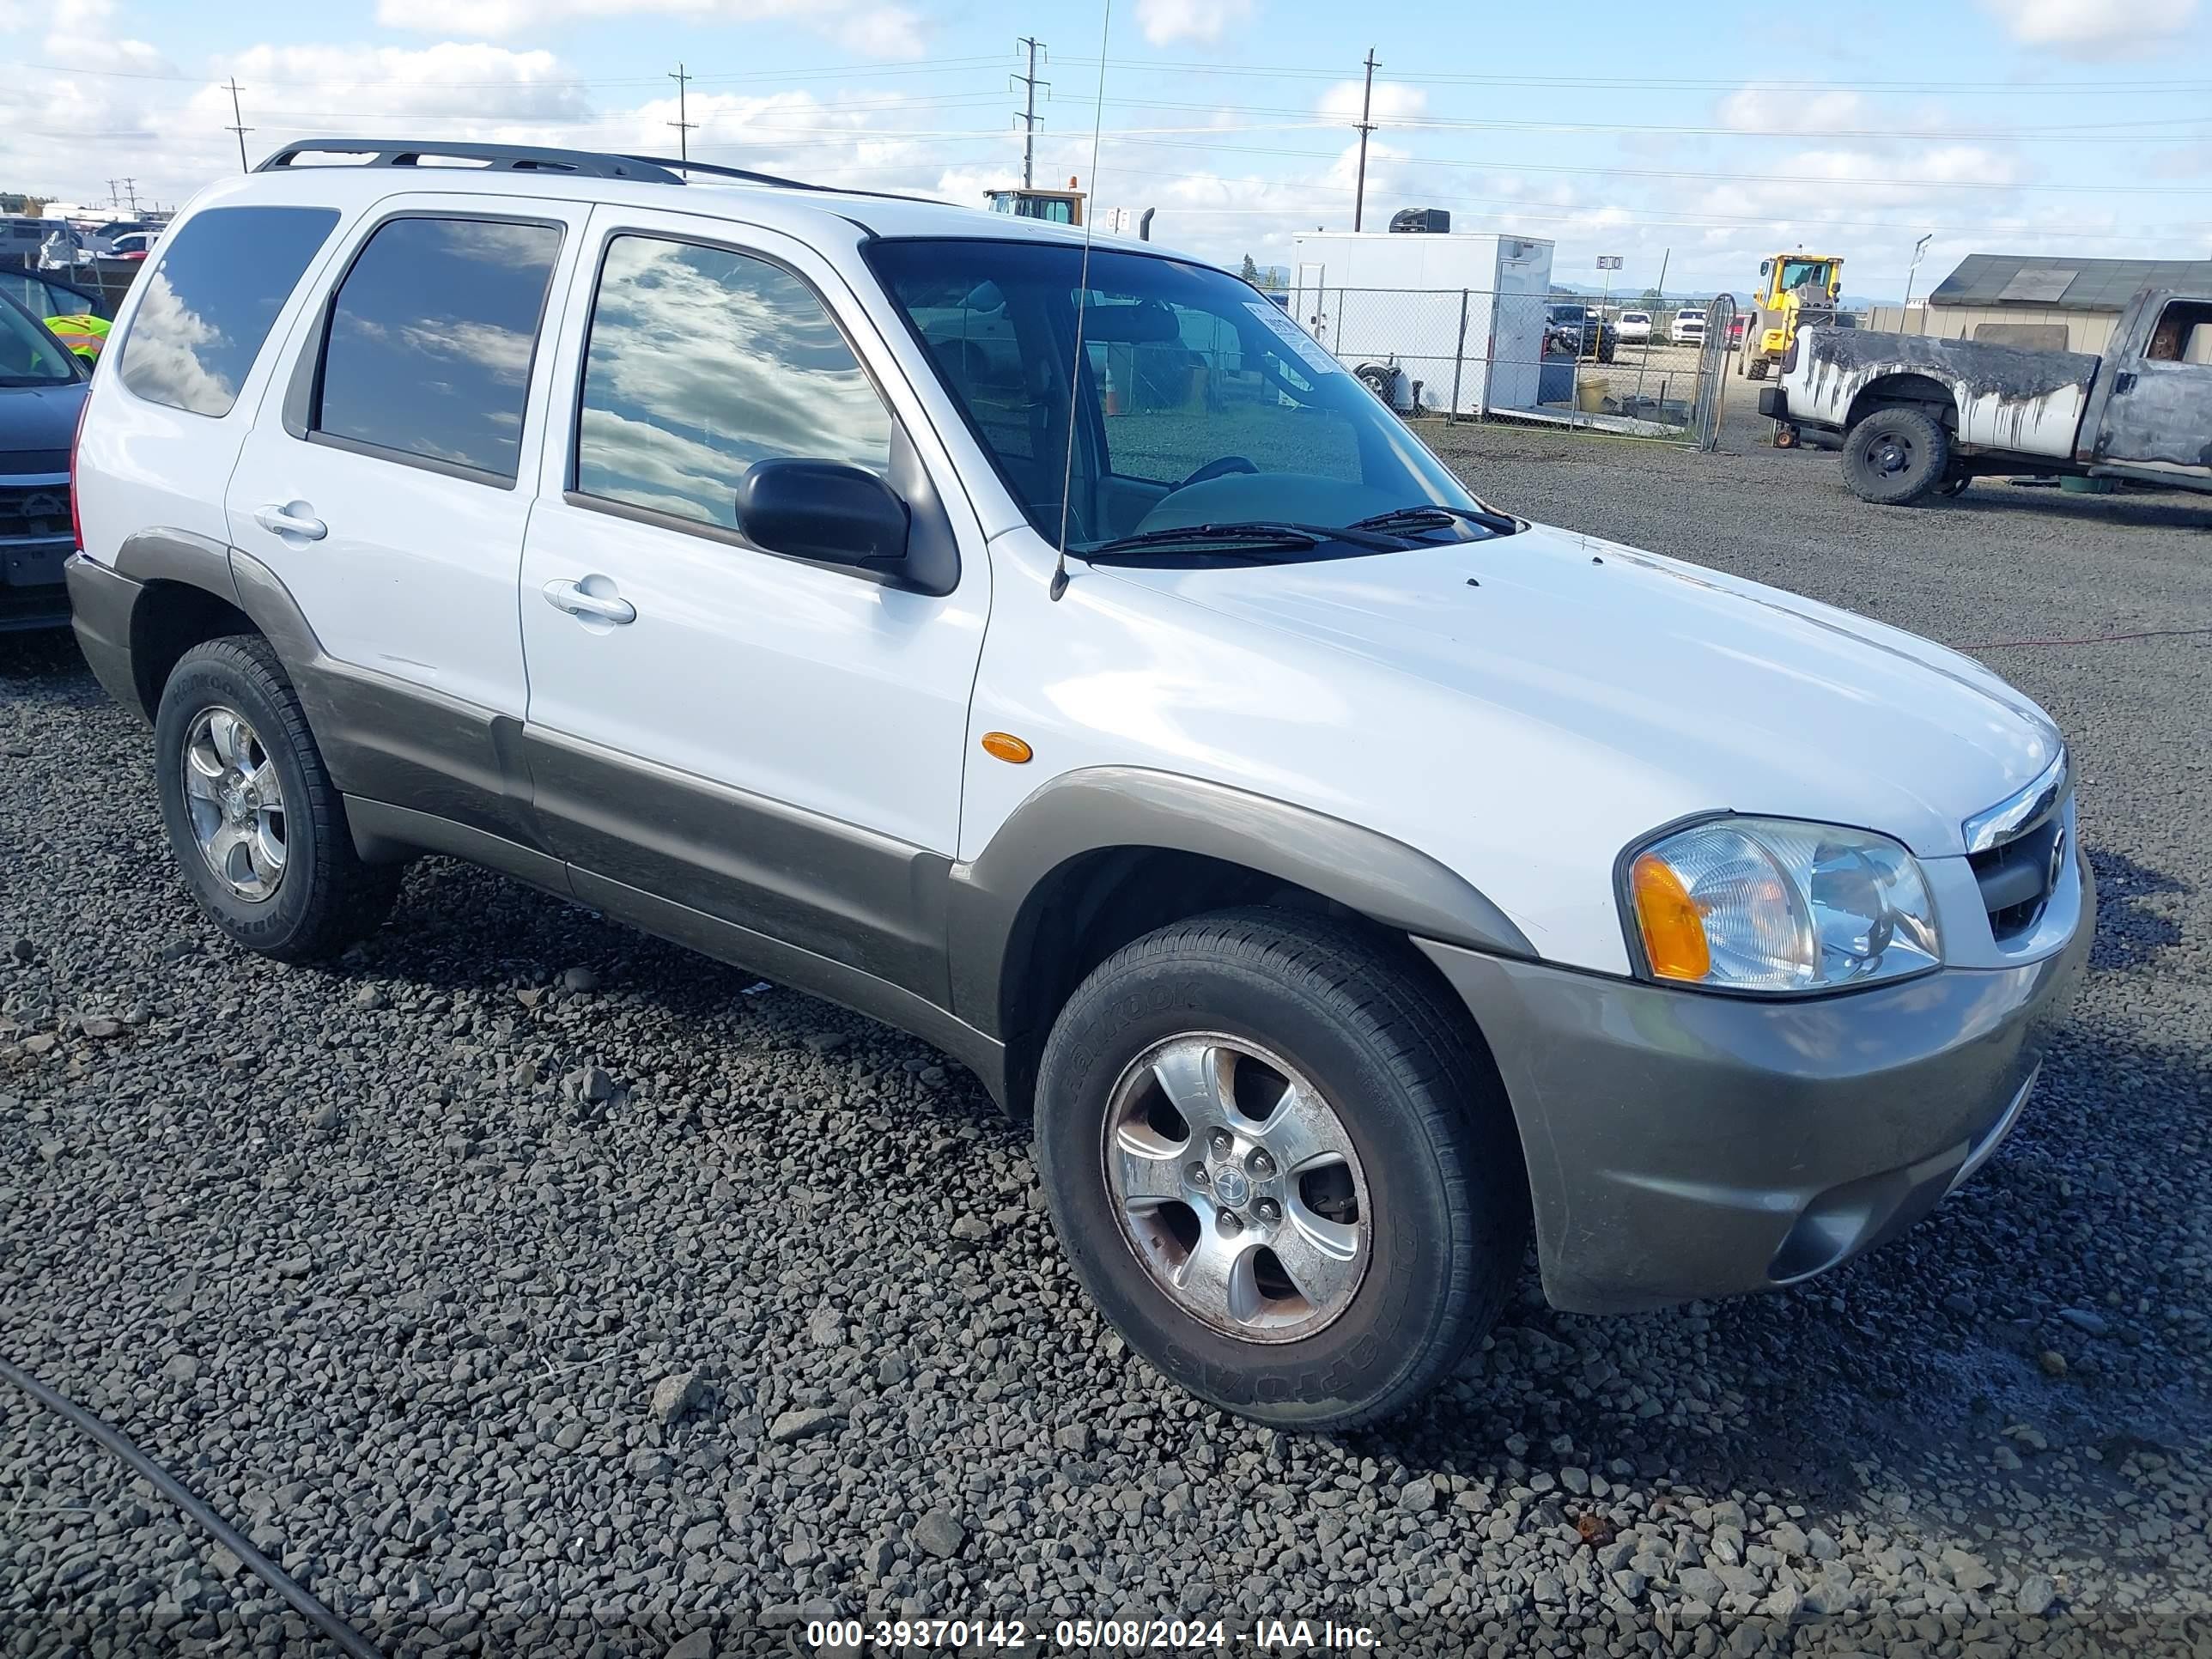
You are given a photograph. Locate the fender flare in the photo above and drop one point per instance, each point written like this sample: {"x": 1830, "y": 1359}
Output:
{"x": 1095, "y": 809}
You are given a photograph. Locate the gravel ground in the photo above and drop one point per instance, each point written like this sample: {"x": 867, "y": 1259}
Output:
{"x": 523, "y": 1284}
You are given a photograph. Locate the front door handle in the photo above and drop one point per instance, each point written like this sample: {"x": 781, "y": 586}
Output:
{"x": 577, "y": 601}
{"x": 2125, "y": 381}
{"x": 290, "y": 518}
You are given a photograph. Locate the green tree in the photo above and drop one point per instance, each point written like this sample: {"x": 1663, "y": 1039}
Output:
{"x": 1250, "y": 273}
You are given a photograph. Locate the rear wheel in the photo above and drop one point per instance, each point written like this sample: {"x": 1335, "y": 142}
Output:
{"x": 1896, "y": 456}
{"x": 258, "y": 829}
{"x": 1280, "y": 1167}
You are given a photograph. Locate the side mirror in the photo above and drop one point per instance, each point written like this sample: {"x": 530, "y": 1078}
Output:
{"x": 829, "y": 511}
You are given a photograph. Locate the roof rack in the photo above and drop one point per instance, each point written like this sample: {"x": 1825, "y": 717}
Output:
{"x": 776, "y": 180}
{"x": 525, "y": 158}
{"x": 507, "y": 158}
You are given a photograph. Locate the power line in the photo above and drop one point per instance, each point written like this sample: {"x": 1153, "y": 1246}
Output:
{"x": 238, "y": 126}
{"x": 2077, "y": 133}
{"x": 1028, "y": 116}
{"x": 1131, "y": 137}
{"x": 920, "y": 66}
{"x": 1366, "y": 126}
{"x": 1643, "y": 83}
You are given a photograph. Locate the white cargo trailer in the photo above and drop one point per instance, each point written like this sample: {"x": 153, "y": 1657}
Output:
{"x": 1462, "y": 314}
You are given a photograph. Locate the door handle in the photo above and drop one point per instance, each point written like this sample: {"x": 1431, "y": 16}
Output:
{"x": 2125, "y": 381}
{"x": 572, "y": 597}
{"x": 290, "y": 518}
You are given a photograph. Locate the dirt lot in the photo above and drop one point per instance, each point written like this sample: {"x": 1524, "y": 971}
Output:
{"x": 526, "y": 1285}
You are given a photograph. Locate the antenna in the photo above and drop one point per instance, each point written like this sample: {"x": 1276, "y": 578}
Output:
{"x": 1082, "y": 298}
{"x": 1028, "y": 117}
{"x": 683, "y": 123}
{"x": 238, "y": 126}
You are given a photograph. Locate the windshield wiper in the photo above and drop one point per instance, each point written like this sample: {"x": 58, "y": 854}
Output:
{"x": 1435, "y": 515}
{"x": 1252, "y": 533}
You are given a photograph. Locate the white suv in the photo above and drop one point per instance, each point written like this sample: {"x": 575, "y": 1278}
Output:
{"x": 1341, "y": 872}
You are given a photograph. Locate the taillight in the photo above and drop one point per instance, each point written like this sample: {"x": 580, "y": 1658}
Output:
{"x": 77, "y": 516}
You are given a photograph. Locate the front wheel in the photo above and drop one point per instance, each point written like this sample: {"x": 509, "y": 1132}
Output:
{"x": 258, "y": 829}
{"x": 1281, "y": 1166}
{"x": 1897, "y": 456}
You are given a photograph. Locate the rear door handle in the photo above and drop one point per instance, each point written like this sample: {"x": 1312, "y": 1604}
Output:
{"x": 2125, "y": 382}
{"x": 572, "y": 597}
{"x": 290, "y": 518}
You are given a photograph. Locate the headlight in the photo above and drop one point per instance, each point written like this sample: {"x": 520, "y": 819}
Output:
{"x": 1775, "y": 905}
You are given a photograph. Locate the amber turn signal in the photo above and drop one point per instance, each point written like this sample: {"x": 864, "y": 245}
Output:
{"x": 1005, "y": 746}
{"x": 1673, "y": 931}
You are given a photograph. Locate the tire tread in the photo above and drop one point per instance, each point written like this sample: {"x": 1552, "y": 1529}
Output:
{"x": 349, "y": 899}
{"x": 1429, "y": 1042}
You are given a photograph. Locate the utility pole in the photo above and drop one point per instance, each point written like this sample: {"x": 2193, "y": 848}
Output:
{"x": 130, "y": 190}
{"x": 1366, "y": 126}
{"x": 1028, "y": 117}
{"x": 1919, "y": 249}
{"x": 238, "y": 126}
{"x": 683, "y": 123}
{"x": 115, "y": 194}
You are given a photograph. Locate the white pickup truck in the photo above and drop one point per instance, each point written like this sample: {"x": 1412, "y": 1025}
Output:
{"x": 1921, "y": 417}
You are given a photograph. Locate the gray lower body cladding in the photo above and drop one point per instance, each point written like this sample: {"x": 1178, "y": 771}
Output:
{"x": 1681, "y": 1144}
{"x": 100, "y": 603}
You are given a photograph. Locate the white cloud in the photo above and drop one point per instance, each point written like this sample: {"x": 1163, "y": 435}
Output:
{"x": 2105, "y": 25}
{"x": 1759, "y": 109}
{"x": 1167, "y": 22}
{"x": 1393, "y": 102}
{"x": 882, "y": 30}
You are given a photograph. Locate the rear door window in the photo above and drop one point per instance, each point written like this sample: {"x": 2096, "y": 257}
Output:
{"x": 430, "y": 339}
{"x": 211, "y": 300}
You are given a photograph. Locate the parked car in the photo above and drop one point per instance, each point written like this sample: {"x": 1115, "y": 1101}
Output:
{"x": 1635, "y": 327}
{"x": 1689, "y": 327}
{"x": 46, "y": 295}
{"x": 1725, "y": 964}
{"x": 1579, "y": 330}
{"x": 42, "y": 390}
{"x": 133, "y": 245}
{"x": 104, "y": 237}
{"x": 1921, "y": 417}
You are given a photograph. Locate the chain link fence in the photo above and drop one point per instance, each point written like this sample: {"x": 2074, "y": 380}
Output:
{"x": 1472, "y": 354}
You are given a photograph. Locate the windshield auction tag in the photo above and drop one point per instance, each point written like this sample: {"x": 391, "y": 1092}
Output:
{"x": 1309, "y": 353}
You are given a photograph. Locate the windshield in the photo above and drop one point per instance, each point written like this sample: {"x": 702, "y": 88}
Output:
{"x": 28, "y": 354}
{"x": 1198, "y": 401}
{"x": 1797, "y": 272}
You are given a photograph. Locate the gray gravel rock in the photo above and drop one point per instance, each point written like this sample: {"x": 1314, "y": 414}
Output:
{"x": 940, "y": 1534}
{"x": 430, "y": 1284}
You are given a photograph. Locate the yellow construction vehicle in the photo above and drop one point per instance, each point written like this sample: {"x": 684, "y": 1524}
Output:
{"x": 1058, "y": 207}
{"x": 1793, "y": 288}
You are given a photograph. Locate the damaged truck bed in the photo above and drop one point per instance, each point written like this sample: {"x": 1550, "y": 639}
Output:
{"x": 1920, "y": 417}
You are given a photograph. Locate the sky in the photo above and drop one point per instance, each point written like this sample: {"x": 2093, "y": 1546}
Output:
{"x": 1675, "y": 137}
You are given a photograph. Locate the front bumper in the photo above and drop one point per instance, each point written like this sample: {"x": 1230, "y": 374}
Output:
{"x": 1682, "y": 1145}
{"x": 31, "y": 591}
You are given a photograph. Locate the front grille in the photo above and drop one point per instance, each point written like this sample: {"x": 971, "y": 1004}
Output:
{"x": 38, "y": 512}
{"x": 2018, "y": 877}
{"x": 2018, "y": 852}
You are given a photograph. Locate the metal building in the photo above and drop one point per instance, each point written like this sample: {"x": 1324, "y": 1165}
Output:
{"x": 2051, "y": 303}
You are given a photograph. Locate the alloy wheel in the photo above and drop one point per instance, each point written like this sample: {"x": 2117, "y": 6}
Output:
{"x": 236, "y": 802}
{"x": 1237, "y": 1187}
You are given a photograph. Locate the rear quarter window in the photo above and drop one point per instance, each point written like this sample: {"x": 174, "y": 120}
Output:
{"x": 211, "y": 300}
